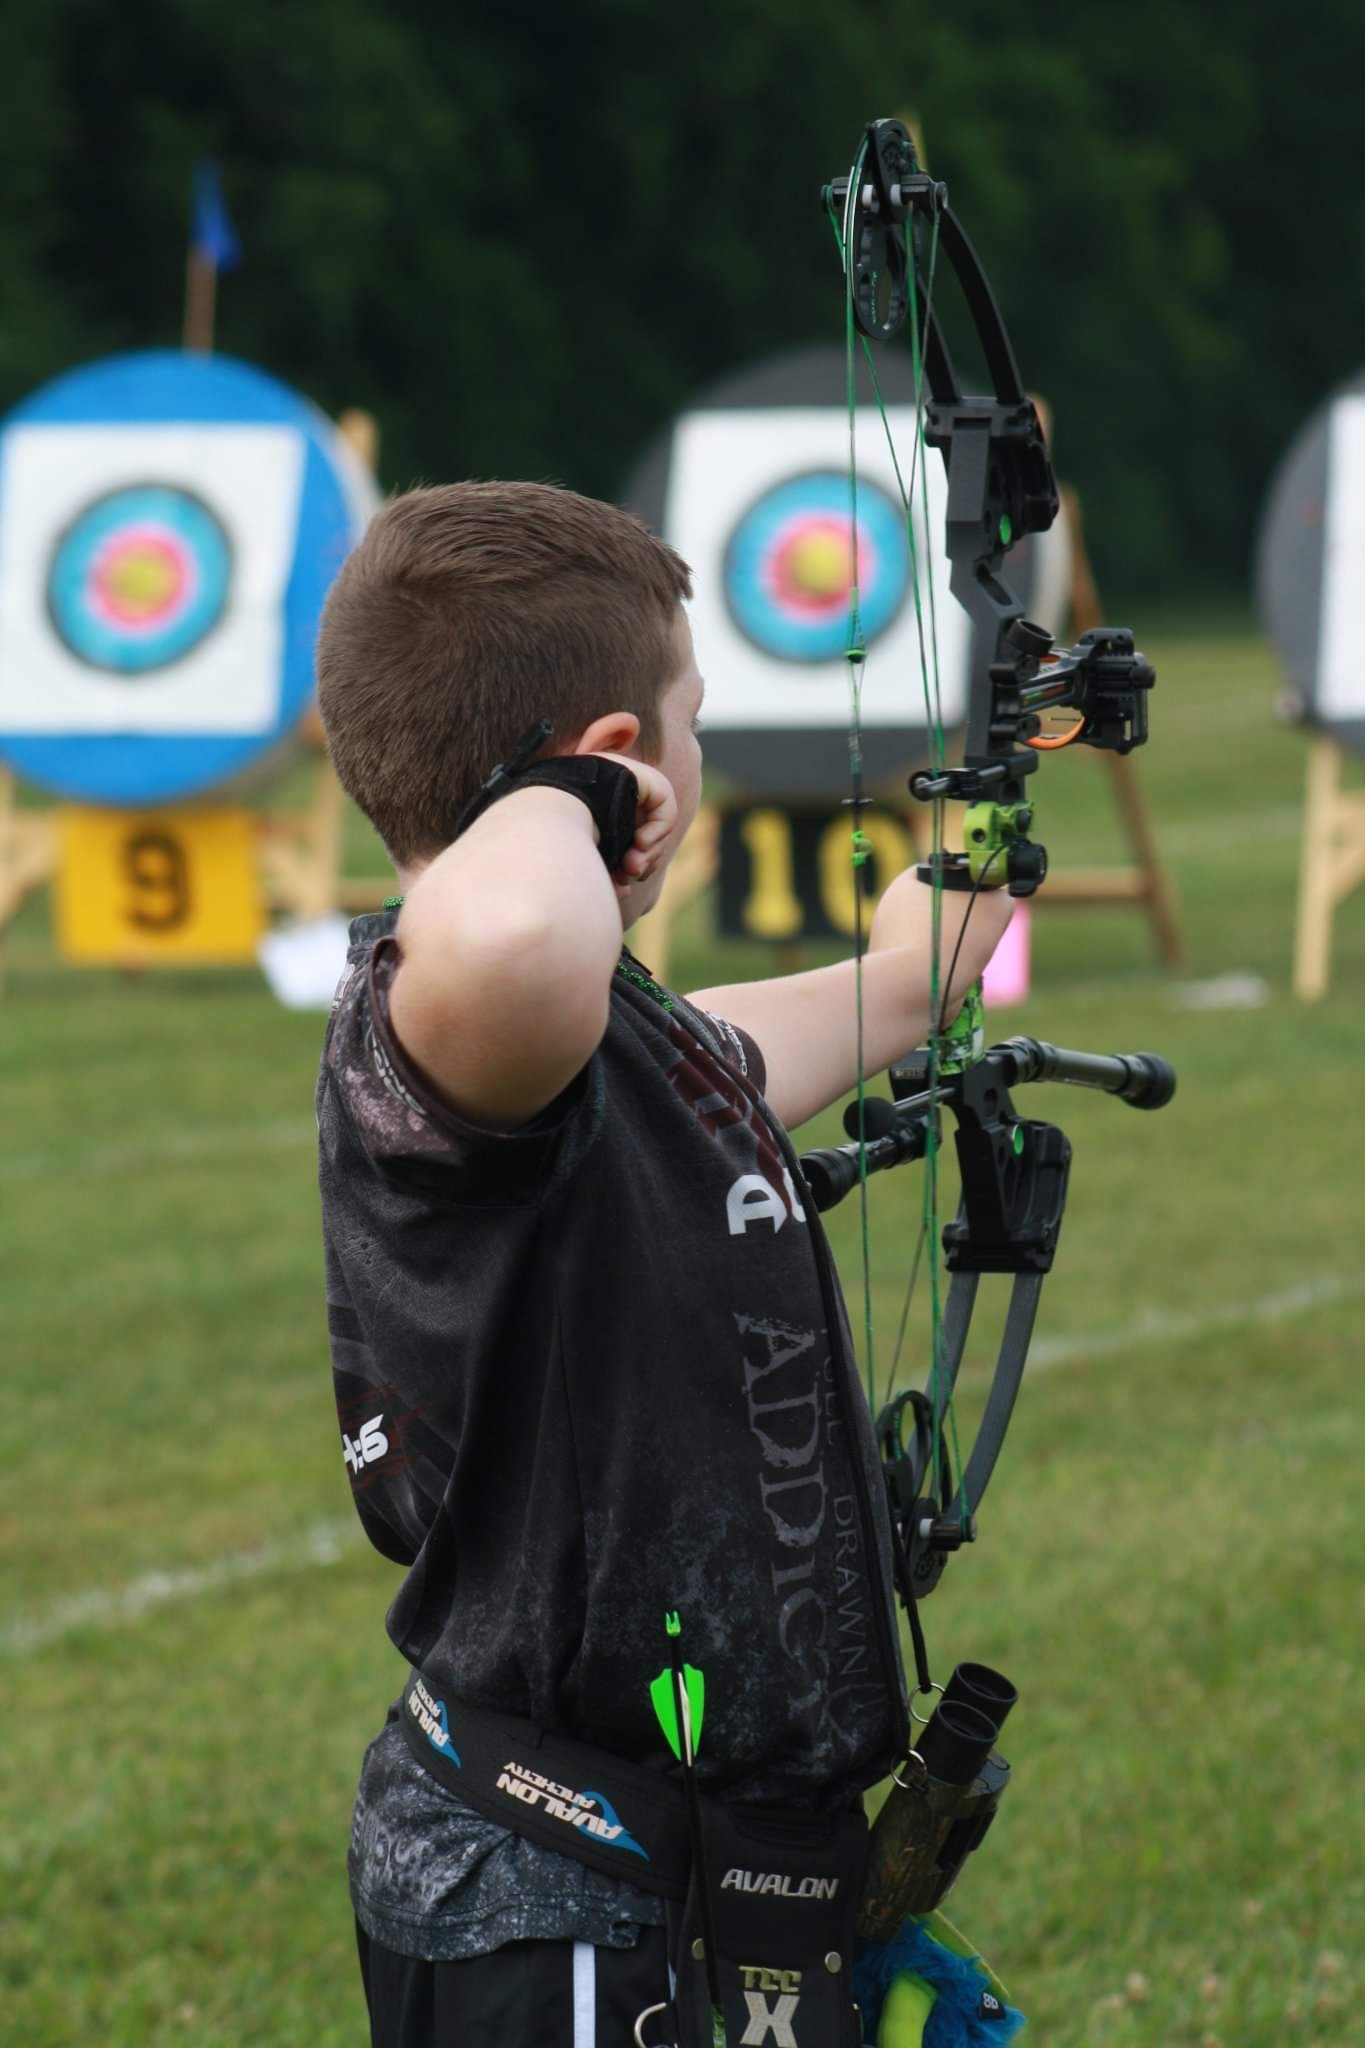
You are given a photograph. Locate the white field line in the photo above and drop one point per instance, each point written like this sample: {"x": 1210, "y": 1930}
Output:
{"x": 1204, "y": 835}
{"x": 325, "y": 1543}
{"x": 1154, "y": 1327}
{"x": 169, "y": 1149}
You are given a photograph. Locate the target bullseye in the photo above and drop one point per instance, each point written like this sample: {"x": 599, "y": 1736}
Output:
{"x": 788, "y": 566}
{"x": 812, "y": 567}
{"x": 138, "y": 579}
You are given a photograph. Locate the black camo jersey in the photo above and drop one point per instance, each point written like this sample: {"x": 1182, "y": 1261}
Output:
{"x": 586, "y": 1376}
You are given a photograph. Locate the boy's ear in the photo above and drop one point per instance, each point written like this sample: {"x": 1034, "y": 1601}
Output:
{"x": 614, "y": 733}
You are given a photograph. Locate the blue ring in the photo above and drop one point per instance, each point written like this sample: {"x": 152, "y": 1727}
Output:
{"x": 749, "y": 552}
{"x": 95, "y": 640}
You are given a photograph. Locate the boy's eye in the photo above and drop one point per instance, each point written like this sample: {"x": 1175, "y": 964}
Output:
{"x": 696, "y": 725}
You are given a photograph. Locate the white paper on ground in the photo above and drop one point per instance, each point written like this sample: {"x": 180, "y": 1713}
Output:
{"x": 303, "y": 962}
{"x": 1223, "y": 992}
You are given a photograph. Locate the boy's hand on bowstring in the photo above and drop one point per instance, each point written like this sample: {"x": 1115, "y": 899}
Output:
{"x": 655, "y": 817}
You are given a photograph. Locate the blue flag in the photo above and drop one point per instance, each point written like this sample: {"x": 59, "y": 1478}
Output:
{"x": 212, "y": 234}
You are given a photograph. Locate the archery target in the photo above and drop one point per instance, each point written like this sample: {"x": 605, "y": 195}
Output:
{"x": 146, "y": 608}
{"x": 773, "y": 650}
{"x": 1311, "y": 566}
{"x": 139, "y": 578}
{"x": 168, "y": 528}
{"x": 1038, "y": 569}
{"x": 751, "y": 485}
{"x": 789, "y": 566}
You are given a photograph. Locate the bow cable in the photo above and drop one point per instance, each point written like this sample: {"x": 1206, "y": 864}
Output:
{"x": 930, "y": 680}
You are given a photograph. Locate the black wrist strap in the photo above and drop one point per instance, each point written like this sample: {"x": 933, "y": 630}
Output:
{"x": 610, "y": 792}
{"x": 608, "y": 789}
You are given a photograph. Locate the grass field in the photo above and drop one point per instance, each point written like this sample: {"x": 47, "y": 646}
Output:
{"x": 191, "y": 1647}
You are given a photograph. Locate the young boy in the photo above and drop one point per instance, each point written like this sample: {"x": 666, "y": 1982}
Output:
{"x": 590, "y": 1362}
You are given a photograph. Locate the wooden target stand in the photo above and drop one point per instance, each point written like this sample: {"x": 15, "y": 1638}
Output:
{"x": 1142, "y": 884}
{"x": 1307, "y": 586}
{"x": 28, "y": 853}
{"x": 1332, "y": 863}
{"x": 299, "y": 851}
{"x": 302, "y": 851}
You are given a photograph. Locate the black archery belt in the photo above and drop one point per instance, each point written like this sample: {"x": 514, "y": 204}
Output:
{"x": 615, "y": 1816}
{"x": 781, "y": 1888}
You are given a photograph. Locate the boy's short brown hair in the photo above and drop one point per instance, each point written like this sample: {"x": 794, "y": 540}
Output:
{"x": 466, "y": 613}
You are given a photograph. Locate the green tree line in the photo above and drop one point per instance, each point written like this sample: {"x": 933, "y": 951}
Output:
{"x": 525, "y": 234}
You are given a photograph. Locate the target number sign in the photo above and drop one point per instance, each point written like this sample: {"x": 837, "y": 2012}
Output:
{"x": 788, "y": 874}
{"x": 142, "y": 888}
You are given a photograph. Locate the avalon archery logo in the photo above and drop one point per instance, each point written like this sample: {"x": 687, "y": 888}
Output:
{"x": 430, "y": 1716}
{"x": 780, "y": 1883}
{"x": 574, "y": 1809}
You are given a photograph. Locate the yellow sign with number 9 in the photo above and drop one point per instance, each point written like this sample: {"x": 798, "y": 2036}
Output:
{"x": 142, "y": 888}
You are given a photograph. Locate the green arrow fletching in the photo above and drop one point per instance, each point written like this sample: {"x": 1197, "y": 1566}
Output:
{"x": 662, "y": 1694}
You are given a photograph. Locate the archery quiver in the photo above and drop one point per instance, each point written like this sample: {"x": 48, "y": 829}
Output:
{"x": 941, "y": 1803}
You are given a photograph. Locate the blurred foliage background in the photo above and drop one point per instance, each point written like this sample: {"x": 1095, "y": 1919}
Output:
{"x": 524, "y": 234}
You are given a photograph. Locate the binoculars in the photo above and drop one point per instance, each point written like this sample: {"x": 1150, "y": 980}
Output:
{"x": 940, "y": 1804}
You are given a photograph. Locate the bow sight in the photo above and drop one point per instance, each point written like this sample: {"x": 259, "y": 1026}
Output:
{"x": 1102, "y": 678}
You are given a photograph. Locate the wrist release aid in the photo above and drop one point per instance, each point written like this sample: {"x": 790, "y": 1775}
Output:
{"x": 609, "y": 790}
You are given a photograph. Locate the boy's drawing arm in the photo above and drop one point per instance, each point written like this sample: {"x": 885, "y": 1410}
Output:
{"x": 806, "y": 1024}
{"x": 509, "y": 941}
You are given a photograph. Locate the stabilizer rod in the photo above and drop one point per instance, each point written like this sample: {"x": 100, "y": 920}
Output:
{"x": 1142, "y": 1078}
{"x": 894, "y": 1132}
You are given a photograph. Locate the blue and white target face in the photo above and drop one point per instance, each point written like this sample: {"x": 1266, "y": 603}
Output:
{"x": 169, "y": 526}
{"x": 757, "y": 501}
{"x": 788, "y": 567}
{"x": 139, "y": 578}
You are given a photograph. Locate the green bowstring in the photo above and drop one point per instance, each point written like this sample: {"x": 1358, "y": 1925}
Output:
{"x": 941, "y": 1398}
{"x": 856, "y": 654}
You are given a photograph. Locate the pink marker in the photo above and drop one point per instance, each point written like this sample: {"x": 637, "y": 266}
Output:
{"x": 1006, "y": 978}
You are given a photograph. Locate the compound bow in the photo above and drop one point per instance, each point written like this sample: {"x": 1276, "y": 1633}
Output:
{"x": 890, "y": 218}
